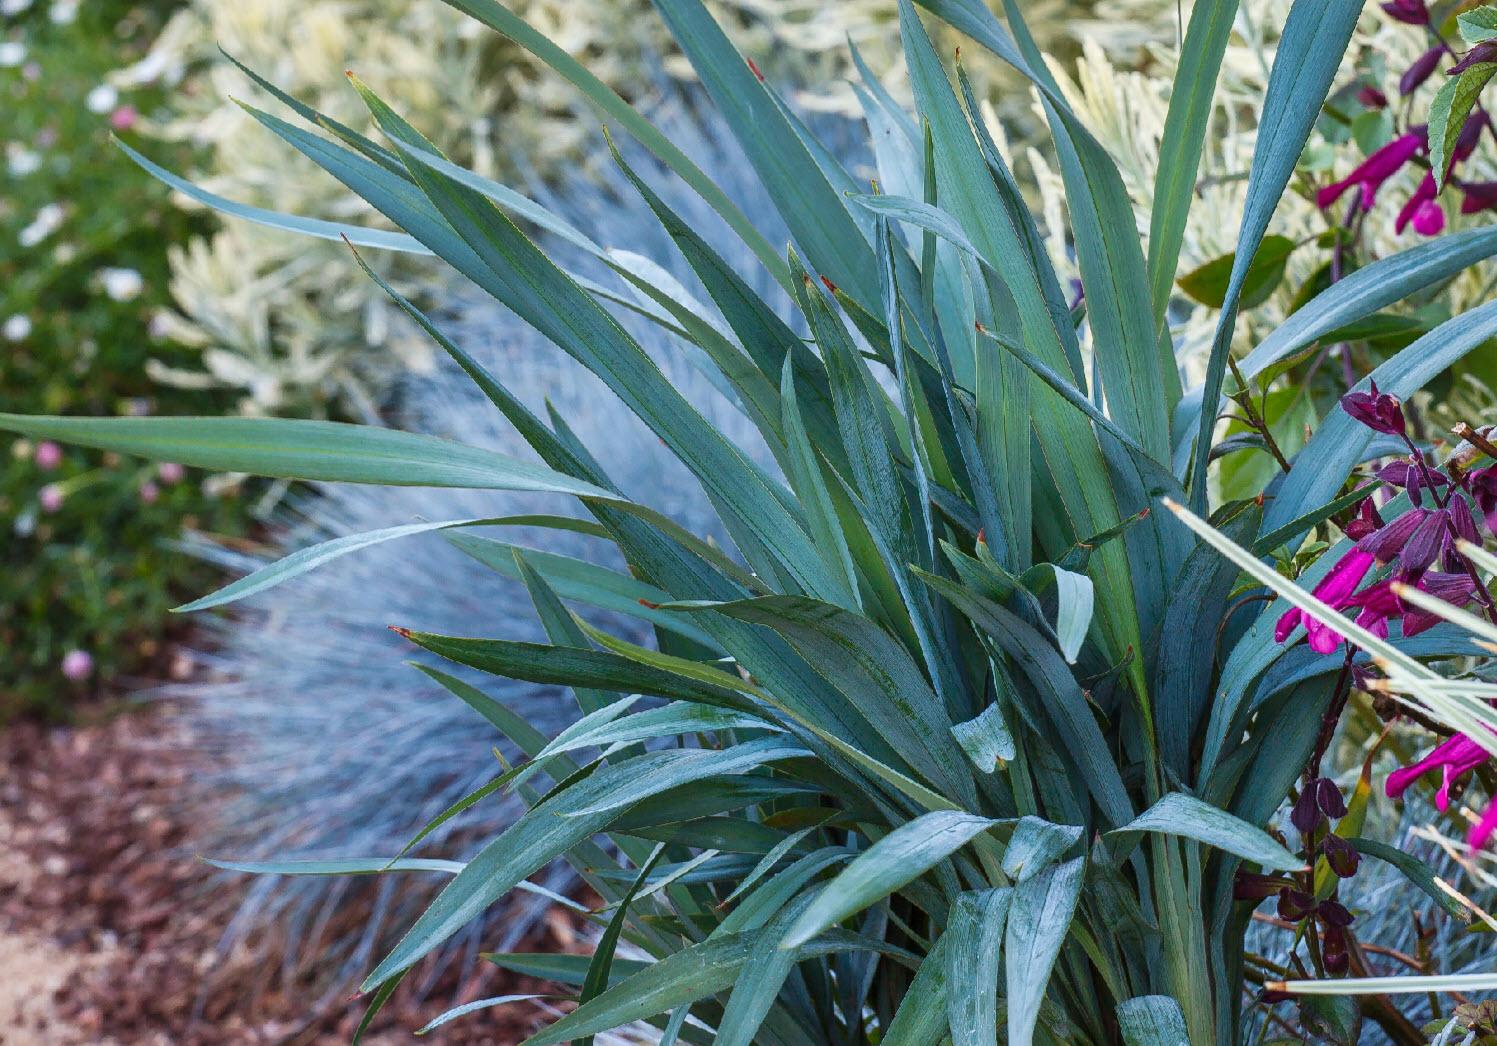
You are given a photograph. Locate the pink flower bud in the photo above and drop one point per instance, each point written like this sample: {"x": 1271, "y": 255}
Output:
{"x": 170, "y": 472}
{"x": 48, "y": 455}
{"x": 50, "y": 497}
{"x": 149, "y": 492}
{"x": 124, "y": 118}
{"x": 77, "y": 665}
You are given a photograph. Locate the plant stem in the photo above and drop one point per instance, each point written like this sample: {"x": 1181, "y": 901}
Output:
{"x": 1332, "y": 717}
{"x": 1254, "y": 419}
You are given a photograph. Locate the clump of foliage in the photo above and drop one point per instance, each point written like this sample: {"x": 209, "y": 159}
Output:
{"x": 286, "y": 779}
{"x": 970, "y": 736}
{"x": 85, "y": 579}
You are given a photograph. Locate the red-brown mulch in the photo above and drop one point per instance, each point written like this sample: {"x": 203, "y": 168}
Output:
{"x": 109, "y": 930}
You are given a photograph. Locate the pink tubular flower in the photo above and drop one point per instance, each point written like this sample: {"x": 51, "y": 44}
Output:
{"x": 1483, "y": 830}
{"x": 1372, "y": 172}
{"x": 1454, "y": 757}
{"x": 1335, "y": 589}
{"x": 1426, "y": 214}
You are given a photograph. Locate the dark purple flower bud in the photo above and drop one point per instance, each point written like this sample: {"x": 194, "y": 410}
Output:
{"x": 1411, "y": 475}
{"x": 1334, "y": 952}
{"x": 1363, "y": 675}
{"x": 1455, "y": 589}
{"x": 1379, "y": 411}
{"x": 1328, "y": 798}
{"x": 1367, "y": 521}
{"x": 1409, "y": 12}
{"x": 1387, "y": 543}
{"x": 1484, "y": 488}
{"x": 1425, "y": 544}
{"x": 1334, "y": 914}
{"x": 1481, "y": 54}
{"x": 1480, "y": 196}
{"x": 1465, "y": 529}
{"x": 1470, "y": 136}
{"x": 1371, "y": 97}
{"x": 1341, "y": 855}
{"x": 1420, "y": 71}
{"x": 1306, "y": 815}
{"x": 1295, "y": 905}
{"x": 1246, "y": 886}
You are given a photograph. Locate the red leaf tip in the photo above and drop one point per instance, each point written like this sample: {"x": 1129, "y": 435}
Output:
{"x": 403, "y": 633}
{"x": 829, "y": 285}
{"x": 755, "y": 69}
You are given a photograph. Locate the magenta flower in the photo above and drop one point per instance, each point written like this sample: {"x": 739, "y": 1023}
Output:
{"x": 48, "y": 455}
{"x": 1409, "y": 12}
{"x": 1378, "y": 605}
{"x": 77, "y": 665}
{"x": 1427, "y": 216}
{"x": 1454, "y": 757}
{"x": 1379, "y": 411}
{"x": 1483, "y": 830}
{"x": 1372, "y": 172}
{"x": 1335, "y": 589}
{"x": 50, "y": 497}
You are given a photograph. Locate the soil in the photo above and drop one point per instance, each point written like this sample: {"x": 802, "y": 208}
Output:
{"x": 110, "y": 930}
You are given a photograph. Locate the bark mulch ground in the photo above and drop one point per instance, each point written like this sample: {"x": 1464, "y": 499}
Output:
{"x": 109, "y": 930}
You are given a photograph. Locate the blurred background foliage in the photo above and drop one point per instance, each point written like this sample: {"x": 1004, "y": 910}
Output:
{"x": 85, "y": 581}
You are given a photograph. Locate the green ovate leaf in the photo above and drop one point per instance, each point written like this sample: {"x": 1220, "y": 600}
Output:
{"x": 1450, "y": 110}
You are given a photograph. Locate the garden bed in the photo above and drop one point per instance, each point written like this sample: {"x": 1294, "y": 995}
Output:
{"x": 109, "y": 929}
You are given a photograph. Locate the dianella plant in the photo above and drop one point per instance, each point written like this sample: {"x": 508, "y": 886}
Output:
{"x": 981, "y": 729}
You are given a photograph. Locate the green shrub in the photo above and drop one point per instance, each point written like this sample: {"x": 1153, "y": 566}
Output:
{"x": 968, "y": 737}
{"x": 83, "y": 238}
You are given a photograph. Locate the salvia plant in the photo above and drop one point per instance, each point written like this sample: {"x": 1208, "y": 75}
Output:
{"x": 979, "y": 728}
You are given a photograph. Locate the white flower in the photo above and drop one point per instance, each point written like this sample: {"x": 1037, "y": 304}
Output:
{"x": 21, "y": 161}
{"x": 121, "y": 284}
{"x": 102, "y": 99}
{"x": 13, "y": 7}
{"x": 16, "y": 327}
{"x": 12, "y": 53}
{"x": 43, "y": 225}
{"x": 63, "y": 11}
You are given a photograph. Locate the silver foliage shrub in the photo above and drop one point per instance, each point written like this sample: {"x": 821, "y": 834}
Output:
{"x": 328, "y": 743}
